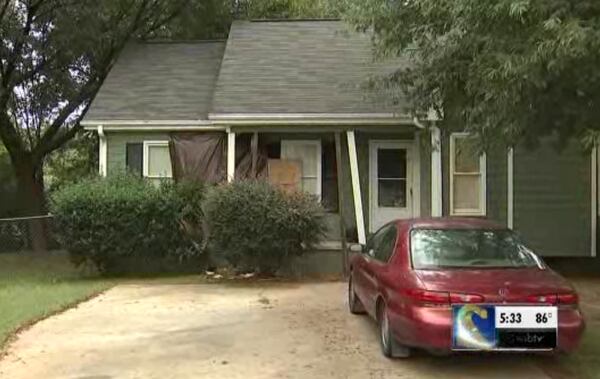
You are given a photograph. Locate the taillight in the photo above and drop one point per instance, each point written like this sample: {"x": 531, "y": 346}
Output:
{"x": 442, "y": 298}
{"x": 542, "y": 299}
{"x": 429, "y": 297}
{"x": 564, "y": 299}
{"x": 568, "y": 298}
{"x": 460, "y": 298}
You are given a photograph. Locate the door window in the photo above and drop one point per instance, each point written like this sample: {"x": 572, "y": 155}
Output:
{"x": 391, "y": 178}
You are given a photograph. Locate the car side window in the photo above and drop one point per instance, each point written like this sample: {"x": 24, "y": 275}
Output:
{"x": 386, "y": 245}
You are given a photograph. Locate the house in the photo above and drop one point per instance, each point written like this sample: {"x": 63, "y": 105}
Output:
{"x": 294, "y": 91}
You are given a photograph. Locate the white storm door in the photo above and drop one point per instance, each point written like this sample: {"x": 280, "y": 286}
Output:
{"x": 390, "y": 181}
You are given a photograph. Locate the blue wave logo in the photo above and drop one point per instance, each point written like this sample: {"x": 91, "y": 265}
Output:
{"x": 474, "y": 327}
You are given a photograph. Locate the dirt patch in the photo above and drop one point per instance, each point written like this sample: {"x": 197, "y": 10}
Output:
{"x": 289, "y": 330}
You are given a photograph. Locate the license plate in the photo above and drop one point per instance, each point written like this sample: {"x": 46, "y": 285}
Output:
{"x": 489, "y": 327}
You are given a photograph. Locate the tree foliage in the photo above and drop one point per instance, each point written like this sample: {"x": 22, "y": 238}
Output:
{"x": 507, "y": 70}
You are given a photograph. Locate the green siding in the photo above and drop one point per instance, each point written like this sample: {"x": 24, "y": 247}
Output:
{"x": 552, "y": 199}
{"x": 497, "y": 185}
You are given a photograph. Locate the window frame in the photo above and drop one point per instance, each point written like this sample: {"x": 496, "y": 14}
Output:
{"x": 147, "y": 146}
{"x": 319, "y": 158}
{"x": 482, "y": 210}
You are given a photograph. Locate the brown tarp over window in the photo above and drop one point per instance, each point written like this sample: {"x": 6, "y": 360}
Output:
{"x": 203, "y": 157}
{"x": 199, "y": 156}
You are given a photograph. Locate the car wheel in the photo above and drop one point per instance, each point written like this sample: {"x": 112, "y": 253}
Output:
{"x": 354, "y": 303}
{"x": 389, "y": 346}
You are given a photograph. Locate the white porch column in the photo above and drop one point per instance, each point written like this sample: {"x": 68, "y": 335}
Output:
{"x": 510, "y": 162}
{"x": 102, "y": 152}
{"x": 230, "y": 155}
{"x": 358, "y": 207}
{"x": 436, "y": 172}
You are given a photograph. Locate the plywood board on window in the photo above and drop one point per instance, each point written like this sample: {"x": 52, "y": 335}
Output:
{"x": 285, "y": 174}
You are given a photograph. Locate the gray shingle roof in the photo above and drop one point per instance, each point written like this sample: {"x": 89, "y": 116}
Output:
{"x": 160, "y": 81}
{"x": 298, "y": 67}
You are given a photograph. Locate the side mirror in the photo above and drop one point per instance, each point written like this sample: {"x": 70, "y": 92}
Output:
{"x": 356, "y": 248}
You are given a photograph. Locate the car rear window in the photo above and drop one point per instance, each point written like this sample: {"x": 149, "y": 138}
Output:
{"x": 467, "y": 248}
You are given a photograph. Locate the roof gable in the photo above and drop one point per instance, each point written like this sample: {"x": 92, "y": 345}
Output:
{"x": 299, "y": 67}
{"x": 160, "y": 81}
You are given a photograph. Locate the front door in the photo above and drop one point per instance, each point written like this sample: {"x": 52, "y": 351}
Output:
{"x": 391, "y": 181}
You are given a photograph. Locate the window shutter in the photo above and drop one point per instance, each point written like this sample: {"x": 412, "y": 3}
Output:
{"x": 135, "y": 158}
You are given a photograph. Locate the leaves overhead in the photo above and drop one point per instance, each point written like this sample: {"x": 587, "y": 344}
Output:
{"x": 508, "y": 70}
{"x": 55, "y": 54}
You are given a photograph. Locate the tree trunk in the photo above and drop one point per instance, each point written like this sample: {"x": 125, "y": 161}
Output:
{"x": 30, "y": 180}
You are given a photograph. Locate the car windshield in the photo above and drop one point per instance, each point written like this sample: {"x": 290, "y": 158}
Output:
{"x": 466, "y": 248}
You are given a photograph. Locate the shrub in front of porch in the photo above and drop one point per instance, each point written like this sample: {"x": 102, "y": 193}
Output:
{"x": 257, "y": 227}
{"x": 116, "y": 221}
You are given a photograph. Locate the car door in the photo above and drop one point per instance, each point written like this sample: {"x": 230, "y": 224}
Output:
{"x": 375, "y": 263}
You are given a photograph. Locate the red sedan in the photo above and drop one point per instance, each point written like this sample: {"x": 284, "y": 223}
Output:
{"x": 453, "y": 284}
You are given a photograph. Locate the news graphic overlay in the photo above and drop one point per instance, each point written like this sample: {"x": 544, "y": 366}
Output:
{"x": 488, "y": 327}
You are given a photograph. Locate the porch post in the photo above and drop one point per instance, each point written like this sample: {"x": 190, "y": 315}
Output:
{"x": 230, "y": 155}
{"x": 254, "y": 154}
{"x": 102, "y": 152}
{"x": 594, "y": 200}
{"x": 358, "y": 208}
{"x": 436, "y": 172}
{"x": 341, "y": 202}
{"x": 510, "y": 188}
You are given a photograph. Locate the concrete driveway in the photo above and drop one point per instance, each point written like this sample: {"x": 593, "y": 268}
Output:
{"x": 227, "y": 331}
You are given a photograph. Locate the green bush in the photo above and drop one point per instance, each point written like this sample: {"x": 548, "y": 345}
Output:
{"x": 106, "y": 221}
{"x": 255, "y": 226}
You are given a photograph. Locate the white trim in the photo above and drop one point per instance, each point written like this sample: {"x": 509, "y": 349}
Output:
{"x": 158, "y": 128}
{"x": 594, "y": 190}
{"x": 87, "y": 123}
{"x": 482, "y": 184}
{"x": 312, "y": 142}
{"x": 310, "y": 119}
{"x": 303, "y": 116}
{"x": 358, "y": 207}
{"x": 510, "y": 191}
{"x": 436, "y": 172}
{"x": 230, "y": 155}
{"x": 102, "y": 152}
{"x": 147, "y": 145}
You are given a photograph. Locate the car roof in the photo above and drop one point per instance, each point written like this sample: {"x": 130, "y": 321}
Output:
{"x": 452, "y": 223}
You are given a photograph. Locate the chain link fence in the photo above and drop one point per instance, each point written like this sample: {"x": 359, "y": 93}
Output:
{"x": 24, "y": 234}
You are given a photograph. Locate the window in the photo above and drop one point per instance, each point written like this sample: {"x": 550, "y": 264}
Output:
{"x": 381, "y": 245}
{"x": 467, "y": 177}
{"x": 308, "y": 153}
{"x": 469, "y": 248}
{"x": 134, "y": 157}
{"x": 157, "y": 159}
{"x": 391, "y": 178}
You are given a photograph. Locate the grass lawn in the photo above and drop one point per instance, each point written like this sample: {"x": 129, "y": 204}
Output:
{"x": 35, "y": 286}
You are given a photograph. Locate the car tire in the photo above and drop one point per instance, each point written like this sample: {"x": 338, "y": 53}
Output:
{"x": 354, "y": 304}
{"x": 389, "y": 346}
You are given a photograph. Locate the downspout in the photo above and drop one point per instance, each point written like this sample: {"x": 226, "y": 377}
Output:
{"x": 102, "y": 152}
